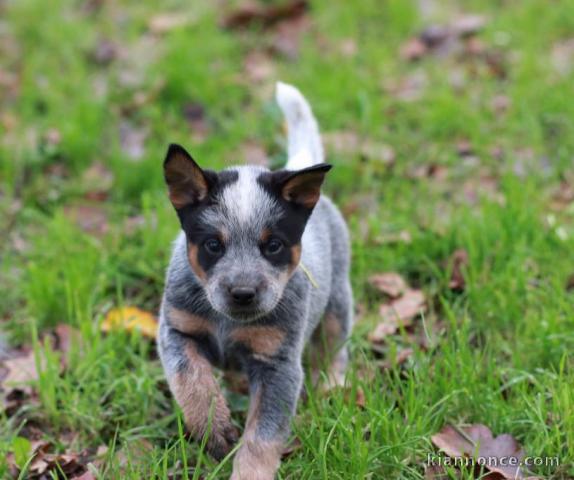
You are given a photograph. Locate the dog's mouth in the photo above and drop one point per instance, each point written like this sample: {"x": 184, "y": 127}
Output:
{"x": 244, "y": 314}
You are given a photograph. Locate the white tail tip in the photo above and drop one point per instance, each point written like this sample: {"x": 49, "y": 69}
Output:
{"x": 304, "y": 147}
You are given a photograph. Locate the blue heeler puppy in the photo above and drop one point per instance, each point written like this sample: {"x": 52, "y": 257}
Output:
{"x": 260, "y": 269}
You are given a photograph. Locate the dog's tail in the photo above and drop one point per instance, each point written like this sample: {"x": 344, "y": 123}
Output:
{"x": 304, "y": 147}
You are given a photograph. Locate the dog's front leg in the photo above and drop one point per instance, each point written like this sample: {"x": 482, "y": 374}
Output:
{"x": 196, "y": 390}
{"x": 274, "y": 389}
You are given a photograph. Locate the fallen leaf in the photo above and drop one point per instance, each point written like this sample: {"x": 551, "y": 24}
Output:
{"x": 85, "y": 476}
{"x": 360, "y": 399}
{"x": 250, "y": 13}
{"x": 348, "y": 142}
{"x": 456, "y": 444}
{"x": 562, "y": 56}
{"x": 382, "y": 331}
{"x": 401, "y": 357}
{"x": 130, "y": 319}
{"x": 254, "y": 154}
{"x": 458, "y": 261}
{"x": 500, "y": 104}
{"x": 97, "y": 181}
{"x": 259, "y": 67}
{"x": 464, "y": 148}
{"x": 409, "y": 88}
{"x": 436, "y": 472}
{"x": 287, "y": 36}
{"x": 348, "y": 47}
{"x": 563, "y": 196}
{"x": 132, "y": 139}
{"x": 477, "y": 441}
{"x": 91, "y": 219}
{"x": 166, "y": 22}
{"x": 466, "y": 25}
{"x": 66, "y": 336}
{"x": 413, "y": 49}
{"x": 20, "y": 370}
{"x": 194, "y": 113}
{"x": 390, "y": 283}
{"x": 405, "y": 308}
{"x": 105, "y": 52}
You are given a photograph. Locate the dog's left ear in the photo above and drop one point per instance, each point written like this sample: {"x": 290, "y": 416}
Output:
{"x": 303, "y": 187}
{"x": 188, "y": 184}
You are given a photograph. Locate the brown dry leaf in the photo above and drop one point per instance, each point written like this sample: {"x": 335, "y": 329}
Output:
{"x": 168, "y": 21}
{"x": 405, "y": 308}
{"x": 401, "y": 357}
{"x": 132, "y": 139}
{"x": 97, "y": 180}
{"x": 287, "y": 36}
{"x": 194, "y": 113}
{"x": 348, "y": 142}
{"x": 456, "y": 444}
{"x": 382, "y": 331}
{"x": 436, "y": 472}
{"x": 92, "y": 219}
{"x": 259, "y": 67}
{"x": 413, "y": 49}
{"x": 348, "y": 47}
{"x": 105, "y": 52}
{"x": 71, "y": 464}
{"x": 563, "y": 196}
{"x": 477, "y": 440}
{"x": 360, "y": 399}
{"x": 458, "y": 261}
{"x": 130, "y": 319}
{"x": 20, "y": 370}
{"x": 66, "y": 336}
{"x": 136, "y": 449}
{"x": 562, "y": 56}
{"x": 252, "y": 12}
{"x": 389, "y": 283}
{"x": 253, "y": 154}
{"x": 409, "y": 88}
{"x": 86, "y": 476}
{"x": 467, "y": 25}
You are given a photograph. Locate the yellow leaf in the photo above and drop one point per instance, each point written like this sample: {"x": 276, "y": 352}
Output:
{"x": 130, "y": 319}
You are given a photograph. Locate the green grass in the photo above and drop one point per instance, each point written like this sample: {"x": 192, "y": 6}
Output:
{"x": 504, "y": 355}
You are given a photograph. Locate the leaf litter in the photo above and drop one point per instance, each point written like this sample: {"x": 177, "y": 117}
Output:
{"x": 477, "y": 441}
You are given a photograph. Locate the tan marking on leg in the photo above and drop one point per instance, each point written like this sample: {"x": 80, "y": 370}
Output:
{"x": 192, "y": 256}
{"x": 189, "y": 323}
{"x": 256, "y": 459}
{"x": 327, "y": 352}
{"x": 197, "y": 392}
{"x": 264, "y": 340}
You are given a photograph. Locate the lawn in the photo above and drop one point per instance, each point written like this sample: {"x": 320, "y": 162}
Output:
{"x": 450, "y": 126}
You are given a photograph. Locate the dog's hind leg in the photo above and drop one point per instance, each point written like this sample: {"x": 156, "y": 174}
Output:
{"x": 328, "y": 349}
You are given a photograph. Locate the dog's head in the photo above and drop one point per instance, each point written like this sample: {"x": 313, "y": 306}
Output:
{"x": 243, "y": 228}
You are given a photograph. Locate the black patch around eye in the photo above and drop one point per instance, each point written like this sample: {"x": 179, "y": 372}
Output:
{"x": 280, "y": 258}
{"x": 197, "y": 231}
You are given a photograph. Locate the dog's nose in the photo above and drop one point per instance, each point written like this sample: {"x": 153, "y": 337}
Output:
{"x": 242, "y": 295}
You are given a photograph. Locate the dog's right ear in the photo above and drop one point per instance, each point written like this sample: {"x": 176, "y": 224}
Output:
{"x": 186, "y": 181}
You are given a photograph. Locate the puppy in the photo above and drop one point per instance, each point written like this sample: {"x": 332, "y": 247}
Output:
{"x": 260, "y": 269}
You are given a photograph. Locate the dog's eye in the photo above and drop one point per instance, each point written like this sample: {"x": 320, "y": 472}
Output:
{"x": 213, "y": 246}
{"x": 273, "y": 246}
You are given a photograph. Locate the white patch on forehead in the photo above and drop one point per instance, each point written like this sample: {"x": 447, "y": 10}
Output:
{"x": 245, "y": 202}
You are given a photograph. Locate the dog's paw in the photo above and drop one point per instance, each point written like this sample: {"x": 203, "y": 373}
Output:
{"x": 222, "y": 440}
